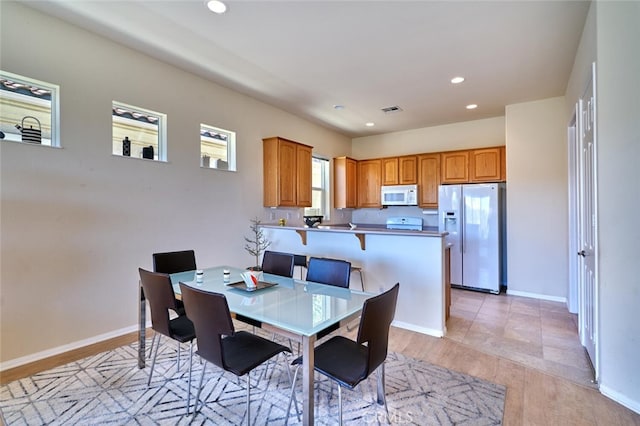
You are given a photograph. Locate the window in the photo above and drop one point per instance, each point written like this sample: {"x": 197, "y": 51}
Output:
{"x": 217, "y": 148}
{"x": 138, "y": 133}
{"x": 28, "y": 110}
{"x": 320, "y": 204}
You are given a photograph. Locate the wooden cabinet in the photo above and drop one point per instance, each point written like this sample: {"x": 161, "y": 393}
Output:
{"x": 390, "y": 171}
{"x": 455, "y": 166}
{"x": 485, "y": 165}
{"x": 428, "y": 180}
{"x": 286, "y": 173}
{"x": 345, "y": 179}
{"x": 503, "y": 163}
{"x": 408, "y": 170}
{"x": 400, "y": 170}
{"x": 369, "y": 182}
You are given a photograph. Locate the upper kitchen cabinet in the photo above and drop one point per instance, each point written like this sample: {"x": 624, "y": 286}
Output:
{"x": 485, "y": 165}
{"x": 287, "y": 173}
{"x": 455, "y": 166}
{"x": 369, "y": 182}
{"x": 428, "y": 180}
{"x": 400, "y": 170}
{"x": 408, "y": 173}
{"x": 345, "y": 179}
{"x": 390, "y": 171}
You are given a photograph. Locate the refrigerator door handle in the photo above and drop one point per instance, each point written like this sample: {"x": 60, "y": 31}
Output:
{"x": 463, "y": 235}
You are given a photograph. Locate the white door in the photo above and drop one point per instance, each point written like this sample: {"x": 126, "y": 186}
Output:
{"x": 588, "y": 306}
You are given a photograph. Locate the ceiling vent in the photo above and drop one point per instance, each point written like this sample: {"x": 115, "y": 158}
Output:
{"x": 391, "y": 109}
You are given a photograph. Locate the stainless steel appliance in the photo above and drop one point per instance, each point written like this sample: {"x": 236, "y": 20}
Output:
{"x": 473, "y": 216}
{"x": 406, "y": 223}
{"x": 399, "y": 195}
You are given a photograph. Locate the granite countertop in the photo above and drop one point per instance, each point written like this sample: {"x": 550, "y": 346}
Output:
{"x": 363, "y": 228}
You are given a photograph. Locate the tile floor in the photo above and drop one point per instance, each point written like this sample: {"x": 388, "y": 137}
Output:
{"x": 537, "y": 333}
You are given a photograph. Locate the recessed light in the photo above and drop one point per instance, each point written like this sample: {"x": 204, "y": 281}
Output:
{"x": 370, "y": 124}
{"x": 338, "y": 107}
{"x": 457, "y": 80}
{"x": 216, "y": 6}
{"x": 472, "y": 106}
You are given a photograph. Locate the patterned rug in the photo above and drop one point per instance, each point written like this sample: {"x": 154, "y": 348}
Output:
{"x": 108, "y": 388}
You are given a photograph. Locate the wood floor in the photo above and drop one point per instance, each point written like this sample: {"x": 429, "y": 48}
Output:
{"x": 537, "y": 394}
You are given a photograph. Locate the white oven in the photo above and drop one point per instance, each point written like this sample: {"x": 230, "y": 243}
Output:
{"x": 399, "y": 195}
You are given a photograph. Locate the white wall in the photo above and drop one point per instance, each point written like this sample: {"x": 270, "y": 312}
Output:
{"x": 449, "y": 137}
{"x": 537, "y": 198}
{"x": 77, "y": 222}
{"x": 618, "y": 151}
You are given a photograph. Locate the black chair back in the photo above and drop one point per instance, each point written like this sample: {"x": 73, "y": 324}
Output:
{"x": 159, "y": 292}
{"x": 211, "y": 318}
{"x": 329, "y": 271}
{"x": 174, "y": 261}
{"x": 277, "y": 263}
{"x": 377, "y": 314}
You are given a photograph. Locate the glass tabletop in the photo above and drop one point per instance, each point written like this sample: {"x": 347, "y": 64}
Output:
{"x": 302, "y": 307}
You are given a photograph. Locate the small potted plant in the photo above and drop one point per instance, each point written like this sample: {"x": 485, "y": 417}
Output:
{"x": 256, "y": 243}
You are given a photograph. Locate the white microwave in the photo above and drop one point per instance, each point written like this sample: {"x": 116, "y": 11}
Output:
{"x": 399, "y": 195}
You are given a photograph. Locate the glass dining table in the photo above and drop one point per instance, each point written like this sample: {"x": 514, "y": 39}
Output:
{"x": 302, "y": 311}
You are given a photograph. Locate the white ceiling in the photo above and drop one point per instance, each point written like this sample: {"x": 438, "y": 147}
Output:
{"x": 307, "y": 56}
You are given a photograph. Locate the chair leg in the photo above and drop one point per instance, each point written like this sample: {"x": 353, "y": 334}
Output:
{"x": 292, "y": 381}
{"x": 189, "y": 382}
{"x": 382, "y": 399}
{"x": 153, "y": 340}
{"x": 153, "y": 363}
{"x": 248, "y": 398}
{"x": 340, "y": 402}
{"x": 195, "y": 408}
{"x": 291, "y": 396}
{"x": 178, "y": 356}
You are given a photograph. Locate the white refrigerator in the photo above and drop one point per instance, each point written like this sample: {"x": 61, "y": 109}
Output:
{"x": 473, "y": 216}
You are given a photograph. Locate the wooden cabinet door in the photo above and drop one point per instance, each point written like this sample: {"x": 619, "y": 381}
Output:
{"x": 390, "y": 171}
{"x": 287, "y": 188}
{"x": 369, "y": 182}
{"x": 429, "y": 180}
{"x": 503, "y": 164}
{"x": 455, "y": 166}
{"x": 303, "y": 181}
{"x": 485, "y": 165}
{"x": 408, "y": 170}
{"x": 345, "y": 183}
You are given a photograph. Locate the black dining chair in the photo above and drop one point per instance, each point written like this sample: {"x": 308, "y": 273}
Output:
{"x": 329, "y": 271}
{"x": 237, "y": 352}
{"x": 172, "y": 262}
{"x": 349, "y": 362}
{"x": 277, "y": 263}
{"x": 159, "y": 292}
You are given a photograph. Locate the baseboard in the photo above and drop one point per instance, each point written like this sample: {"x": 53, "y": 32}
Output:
{"x": 38, "y": 356}
{"x": 620, "y": 399}
{"x": 422, "y": 330}
{"x": 536, "y": 296}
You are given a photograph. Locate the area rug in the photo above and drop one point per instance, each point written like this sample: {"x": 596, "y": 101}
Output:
{"x": 108, "y": 388}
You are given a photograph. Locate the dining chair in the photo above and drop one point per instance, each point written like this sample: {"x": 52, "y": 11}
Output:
{"x": 159, "y": 292}
{"x": 349, "y": 362}
{"x": 277, "y": 263}
{"x": 329, "y": 271}
{"x": 238, "y": 352}
{"x": 172, "y": 262}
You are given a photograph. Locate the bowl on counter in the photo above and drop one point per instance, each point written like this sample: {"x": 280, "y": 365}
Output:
{"x": 312, "y": 221}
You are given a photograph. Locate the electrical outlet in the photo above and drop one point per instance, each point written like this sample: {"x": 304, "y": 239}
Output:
{"x": 272, "y": 216}
{"x": 288, "y": 215}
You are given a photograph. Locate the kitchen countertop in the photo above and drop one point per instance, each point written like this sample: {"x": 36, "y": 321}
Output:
{"x": 428, "y": 231}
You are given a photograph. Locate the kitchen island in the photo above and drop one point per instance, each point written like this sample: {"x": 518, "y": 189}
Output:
{"x": 415, "y": 259}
